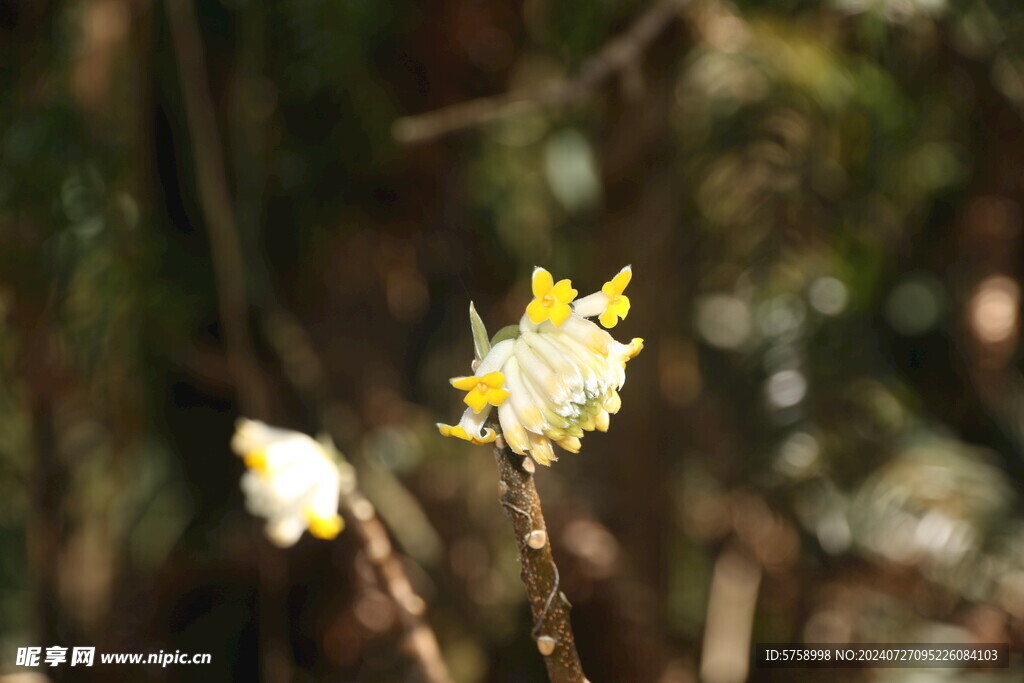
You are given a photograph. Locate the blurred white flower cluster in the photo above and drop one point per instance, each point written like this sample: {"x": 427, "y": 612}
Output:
{"x": 291, "y": 480}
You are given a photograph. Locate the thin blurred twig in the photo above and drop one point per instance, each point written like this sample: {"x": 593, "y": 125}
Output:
{"x": 303, "y": 368}
{"x": 552, "y": 628}
{"x": 614, "y": 59}
{"x": 229, "y": 272}
{"x": 215, "y": 203}
{"x": 420, "y": 640}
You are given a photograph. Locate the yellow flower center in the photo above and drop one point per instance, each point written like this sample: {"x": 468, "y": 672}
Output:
{"x": 551, "y": 299}
{"x": 481, "y": 391}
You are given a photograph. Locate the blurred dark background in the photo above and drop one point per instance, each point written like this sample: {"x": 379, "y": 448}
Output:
{"x": 218, "y": 209}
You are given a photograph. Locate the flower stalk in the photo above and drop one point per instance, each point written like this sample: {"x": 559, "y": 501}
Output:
{"x": 552, "y": 629}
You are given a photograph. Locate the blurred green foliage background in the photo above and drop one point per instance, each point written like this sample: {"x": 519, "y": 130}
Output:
{"x": 227, "y": 214}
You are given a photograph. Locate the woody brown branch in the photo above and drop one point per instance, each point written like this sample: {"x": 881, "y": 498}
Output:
{"x": 552, "y": 628}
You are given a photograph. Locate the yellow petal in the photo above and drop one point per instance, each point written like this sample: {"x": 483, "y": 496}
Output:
{"x": 476, "y": 400}
{"x": 621, "y": 305}
{"x": 493, "y": 379}
{"x": 542, "y": 282}
{"x": 537, "y": 311}
{"x": 609, "y": 318}
{"x": 559, "y": 313}
{"x": 455, "y": 431}
{"x": 617, "y": 284}
{"x": 465, "y": 383}
{"x": 618, "y": 309}
{"x": 496, "y": 396}
{"x": 459, "y": 432}
{"x": 564, "y": 292}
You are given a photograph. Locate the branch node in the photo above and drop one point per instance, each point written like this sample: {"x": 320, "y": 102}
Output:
{"x": 378, "y": 549}
{"x": 537, "y": 539}
{"x": 362, "y": 509}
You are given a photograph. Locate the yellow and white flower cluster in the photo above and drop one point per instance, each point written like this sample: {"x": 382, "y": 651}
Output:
{"x": 558, "y": 374}
{"x": 290, "y": 479}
